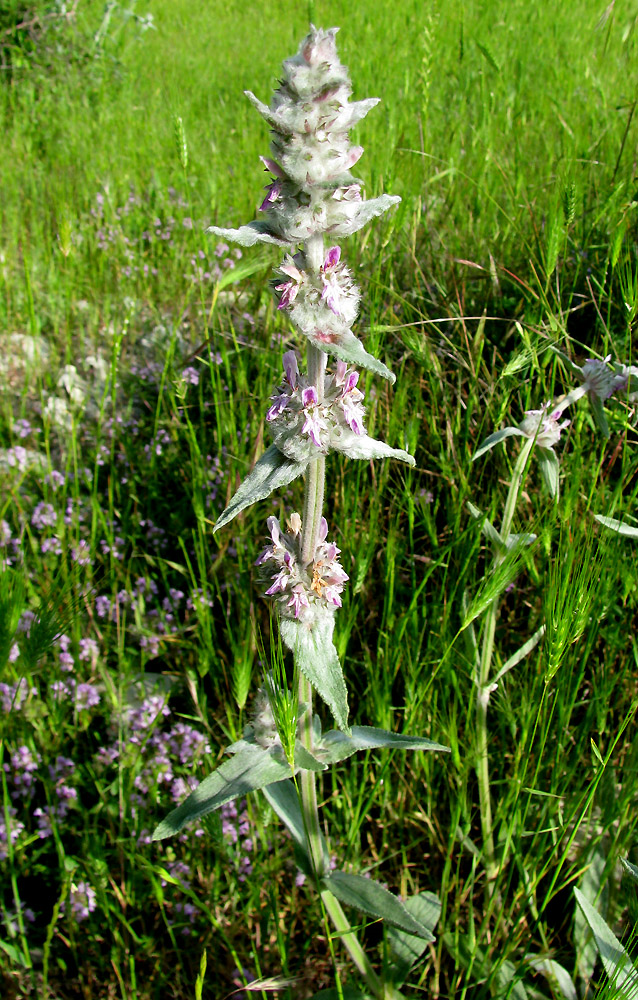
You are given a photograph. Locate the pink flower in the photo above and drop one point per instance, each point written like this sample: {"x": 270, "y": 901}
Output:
{"x": 289, "y": 289}
{"x": 298, "y": 599}
{"x": 314, "y": 423}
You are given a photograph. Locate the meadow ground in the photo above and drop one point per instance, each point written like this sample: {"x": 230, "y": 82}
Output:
{"x": 137, "y": 355}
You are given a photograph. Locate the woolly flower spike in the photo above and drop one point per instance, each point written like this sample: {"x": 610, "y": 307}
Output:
{"x": 598, "y": 383}
{"x": 302, "y": 424}
{"x": 544, "y": 431}
{"x": 298, "y": 589}
{"x": 310, "y": 115}
{"x": 324, "y": 306}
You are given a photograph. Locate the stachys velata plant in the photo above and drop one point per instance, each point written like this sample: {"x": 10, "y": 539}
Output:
{"x": 311, "y": 201}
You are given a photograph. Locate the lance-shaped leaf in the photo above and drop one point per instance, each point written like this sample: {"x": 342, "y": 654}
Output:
{"x": 632, "y": 870}
{"x": 523, "y": 539}
{"x": 291, "y": 118}
{"x": 362, "y": 446}
{"x": 316, "y": 657}
{"x": 520, "y": 654}
{"x": 250, "y": 768}
{"x": 615, "y": 959}
{"x": 284, "y": 799}
{"x": 336, "y": 746}
{"x": 621, "y": 527}
{"x": 363, "y": 213}
{"x": 408, "y": 948}
{"x": 550, "y": 469}
{"x": 306, "y": 761}
{"x": 248, "y": 235}
{"x": 599, "y": 415}
{"x": 349, "y": 348}
{"x": 495, "y": 439}
{"x": 487, "y": 528}
{"x": 558, "y": 976}
{"x": 373, "y": 899}
{"x": 271, "y": 472}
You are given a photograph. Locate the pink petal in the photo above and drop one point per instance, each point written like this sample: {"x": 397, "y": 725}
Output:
{"x": 291, "y": 368}
{"x": 332, "y": 258}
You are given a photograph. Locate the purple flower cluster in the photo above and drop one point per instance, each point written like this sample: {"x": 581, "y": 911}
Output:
{"x": 82, "y": 901}
{"x": 295, "y": 586}
{"x": 154, "y": 754}
{"x": 204, "y": 271}
{"x": 236, "y": 830}
{"x": 13, "y": 696}
{"x": 297, "y": 412}
{"x": 9, "y": 546}
{"x": 320, "y": 304}
{"x": 59, "y": 773}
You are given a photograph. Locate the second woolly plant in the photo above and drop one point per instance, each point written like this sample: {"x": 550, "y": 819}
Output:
{"x": 541, "y": 430}
{"x": 311, "y": 201}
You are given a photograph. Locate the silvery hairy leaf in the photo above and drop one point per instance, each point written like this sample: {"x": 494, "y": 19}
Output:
{"x": 316, "y": 657}
{"x": 350, "y": 349}
{"x": 336, "y": 745}
{"x": 250, "y": 768}
{"x": 249, "y": 235}
{"x": 408, "y": 948}
{"x": 550, "y": 469}
{"x": 371, "y": 898}
{"x": 272, "y": 471}
{"x": 616, "y": 961}
{"x": 620, "y": 527}
{"x": 496, "y": 438}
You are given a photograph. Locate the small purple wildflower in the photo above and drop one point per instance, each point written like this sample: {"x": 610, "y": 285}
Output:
{"x": 44, "y": 516}
{"x": 82, "y": 899}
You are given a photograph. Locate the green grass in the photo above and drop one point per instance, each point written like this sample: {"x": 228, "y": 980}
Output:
{"x": 509, "y": 133}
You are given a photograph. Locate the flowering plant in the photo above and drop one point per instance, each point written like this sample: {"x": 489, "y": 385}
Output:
{"x": 311, "y": 195}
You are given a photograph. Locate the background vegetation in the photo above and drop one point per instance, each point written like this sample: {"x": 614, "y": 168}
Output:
{"x": 136, "y": 358}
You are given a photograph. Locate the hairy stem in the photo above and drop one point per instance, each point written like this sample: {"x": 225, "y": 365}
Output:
{"x": 312, "y": 513}
{"x": 484, "y": 671}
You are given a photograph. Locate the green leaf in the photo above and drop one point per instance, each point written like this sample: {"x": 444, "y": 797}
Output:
{"x": 616, "y": 961}
{"x": 487, "y": 527}
{"x": 248, "y": 235}
{"x": 549, "y": 469}
{"x": 201, "y": 976}
{"x": 525, "y": 538}
{"x": 520, "y": 654}
{"x": 349, "y": 348}
{"x": 365, "y": 447}
{"x": 250, "y": 768}
{"x": 336, "y": 746}
{"x": 599, "y": 415}
{"x": 620, "y": 526}
{"x": 316, "y": 657}
{"x": 284, "y": 800}
{"x": 306, "y": 761}
{"x": 507, "y": 984}
{"x": 271, "y": 472}
{"x": 408, "y": 948}
{"x": 591, "y": 886}
{"x": 558, "y": 977}
{"x": 496, "y": 438}
{"x": 631, "y": 870}
{"x": 373, "y": 899}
